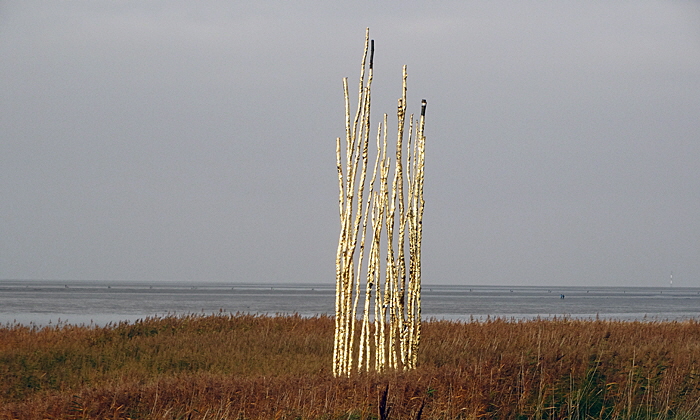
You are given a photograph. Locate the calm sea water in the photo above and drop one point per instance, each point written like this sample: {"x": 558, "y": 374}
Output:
{"x": 82, "y": 302}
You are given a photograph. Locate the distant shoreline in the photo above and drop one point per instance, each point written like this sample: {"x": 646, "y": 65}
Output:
{"x": 45, "y": 302}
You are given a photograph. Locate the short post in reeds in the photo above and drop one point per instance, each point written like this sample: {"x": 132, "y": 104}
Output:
{"x": 385, "y": 278}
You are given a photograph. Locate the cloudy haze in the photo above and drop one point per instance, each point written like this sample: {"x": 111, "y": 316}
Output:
{"x": 178, "y": 140}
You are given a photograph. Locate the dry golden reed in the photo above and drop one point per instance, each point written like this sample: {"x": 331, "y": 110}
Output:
{"x": 258, "y": 367}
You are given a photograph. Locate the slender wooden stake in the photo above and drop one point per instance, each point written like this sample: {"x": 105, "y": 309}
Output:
{"x": 420, "y": 143}
{"x": 358, "y": 281}
{"x": 390, "y": 284}
{"x": 401, "y": 263}
{"x": 364, "y": 133}
{"x": 386, "y": 310}
{"x": 379, "y": 317}
{"x": 348, "y": 237}
{"x": 338, "y": 265}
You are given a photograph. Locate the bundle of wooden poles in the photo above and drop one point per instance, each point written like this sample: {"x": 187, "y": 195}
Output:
{"x": 386, "y": 276}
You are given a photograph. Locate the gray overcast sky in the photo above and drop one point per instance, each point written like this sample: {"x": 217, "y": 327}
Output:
{"x": 179, "y": 140}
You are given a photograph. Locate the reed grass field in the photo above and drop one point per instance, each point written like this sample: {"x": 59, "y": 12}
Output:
{"x": 238, "y": 366}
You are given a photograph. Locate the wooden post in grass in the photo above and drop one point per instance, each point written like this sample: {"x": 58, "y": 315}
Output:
{"x": 387, "y": 333}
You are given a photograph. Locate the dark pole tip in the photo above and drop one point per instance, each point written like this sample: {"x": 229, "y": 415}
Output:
{"x": 423, "y": 104}
{"x": 371, "y": 55}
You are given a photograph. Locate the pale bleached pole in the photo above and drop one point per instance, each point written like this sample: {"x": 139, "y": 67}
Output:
{"x": 348, "y": 235}
{"x": 420, "y": 203}
{"x": 379, "y": 317}
{"x": 370, "y": 202}
{"x": 390, "y": 282}
{"x": 361, "y": 258}
{"x": 401, "y": 260}
{"x": 364, "y": 132}
{"x": 408, "y": 337}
